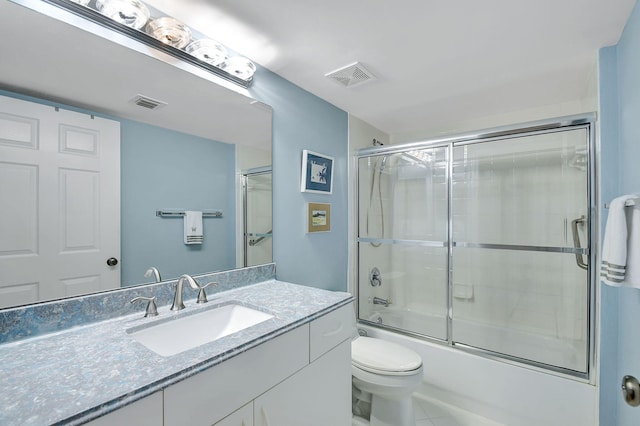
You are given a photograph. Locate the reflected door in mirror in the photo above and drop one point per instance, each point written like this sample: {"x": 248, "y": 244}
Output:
{"x": 60, "y": 196}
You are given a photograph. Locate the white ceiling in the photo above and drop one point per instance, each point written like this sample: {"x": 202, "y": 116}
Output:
{"x": 435, "y": 61}
{"x": 53, "y": 60}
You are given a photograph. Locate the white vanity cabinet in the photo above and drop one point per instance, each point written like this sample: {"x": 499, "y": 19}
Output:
{"x": 318, "y": 395}
{"x": 300, "y": 378}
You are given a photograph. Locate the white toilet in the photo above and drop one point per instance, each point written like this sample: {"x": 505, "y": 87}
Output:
{"x": 384, "y": 375}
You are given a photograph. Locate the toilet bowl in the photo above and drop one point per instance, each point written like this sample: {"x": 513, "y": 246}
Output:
{"x": 384, "y": 375}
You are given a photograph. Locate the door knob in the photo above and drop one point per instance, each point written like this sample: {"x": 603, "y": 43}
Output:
{"x": 112, "y": 261}
{"x": 631, "y": 390}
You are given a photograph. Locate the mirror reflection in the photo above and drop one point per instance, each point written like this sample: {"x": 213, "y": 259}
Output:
{"x": 205, "y": 148}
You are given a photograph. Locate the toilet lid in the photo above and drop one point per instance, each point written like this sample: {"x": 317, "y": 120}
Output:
{"x": 379, "y": 355}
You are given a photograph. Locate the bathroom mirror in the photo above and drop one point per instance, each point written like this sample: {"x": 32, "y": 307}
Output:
{"x": 46, "y": 58}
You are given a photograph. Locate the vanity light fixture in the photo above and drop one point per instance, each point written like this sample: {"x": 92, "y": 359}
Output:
{"x": 132, "y": 13}
{"x": 170, "y": 31}
{"x": 133, "y": 19}
{"x": 209, "y": 51}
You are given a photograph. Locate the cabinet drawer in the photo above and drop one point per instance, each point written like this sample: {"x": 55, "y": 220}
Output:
{"x": 330, "y": 330}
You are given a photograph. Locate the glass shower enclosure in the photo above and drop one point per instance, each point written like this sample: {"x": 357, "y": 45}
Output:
{"x": 483, "y": 242}
{"x": 257, "y": 223}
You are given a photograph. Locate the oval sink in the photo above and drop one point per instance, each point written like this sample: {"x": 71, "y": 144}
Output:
{"x": 175, "y": 335}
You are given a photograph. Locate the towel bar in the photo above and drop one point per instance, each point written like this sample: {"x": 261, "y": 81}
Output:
{"x": 628, "y": 203}
{"x": 162, "y": 213}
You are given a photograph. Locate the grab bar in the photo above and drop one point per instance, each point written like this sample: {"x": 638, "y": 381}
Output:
{"x": 576, "y": 241}
{"x": 253, "y": 242}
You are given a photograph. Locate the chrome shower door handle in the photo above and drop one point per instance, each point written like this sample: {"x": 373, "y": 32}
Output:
{"x": 576, "y": 241}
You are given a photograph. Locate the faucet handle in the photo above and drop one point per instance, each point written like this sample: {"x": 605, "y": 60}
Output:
{"x": 152, "y": 309}
{"x": 202, "y": 296}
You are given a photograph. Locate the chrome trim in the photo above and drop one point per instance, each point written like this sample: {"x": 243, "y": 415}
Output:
{"x": 585, "y": 121}
{"x": 404, "y": 332}
{"x": 581, "y": 120}
{"x": 402, "y": 242}
{"x": 514, "y": 360}
{"x": 248, "y": 241}
{"x": 140, "y": 36}
{"x": 205, "y": 213}
{"x": 258, "y": 170}
{"x": 569, "y": 250}
{"x": 593, "y": 241}
{"x": 494, "y": 356}
{"x": 244, "y": 181}
{"x": 576, "y": 241}
{"x": 450, "y": 243}
{"x": 261, "y": 238}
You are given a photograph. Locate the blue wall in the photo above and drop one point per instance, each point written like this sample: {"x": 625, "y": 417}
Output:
{"x": 304, "y": 121}
{"x": 166, "y": 170}
{"x": 609, "y": 184}
{"x": 620, "y": 138}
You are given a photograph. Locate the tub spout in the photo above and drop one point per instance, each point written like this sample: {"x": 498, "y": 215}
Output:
{"x": 380, "y": 301}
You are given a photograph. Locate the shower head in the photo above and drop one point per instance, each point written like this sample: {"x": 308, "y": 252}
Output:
{"x": 383, "y": 165}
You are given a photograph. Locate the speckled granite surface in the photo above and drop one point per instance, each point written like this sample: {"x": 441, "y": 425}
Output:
{"x": 78, "y": 374}
{"x": 29, "y": 321}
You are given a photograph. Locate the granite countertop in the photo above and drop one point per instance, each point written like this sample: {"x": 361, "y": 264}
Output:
{"x": 79, "y": 374}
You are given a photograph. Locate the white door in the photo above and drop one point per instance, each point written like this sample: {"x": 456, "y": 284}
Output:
{"x": 59, "y": 203}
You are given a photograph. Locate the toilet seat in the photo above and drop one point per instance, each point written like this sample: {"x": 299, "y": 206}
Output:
{"x": 385, "y": 358}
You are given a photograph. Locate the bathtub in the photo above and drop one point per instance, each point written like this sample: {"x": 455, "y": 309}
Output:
{"x": 507, "y": 393}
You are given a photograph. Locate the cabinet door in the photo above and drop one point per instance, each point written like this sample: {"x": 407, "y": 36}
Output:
{"x": 146, "y": 412}
{"x": 242, "y": 417}
{"x": 318, "y": 395}
{"x": 208, "y": 397}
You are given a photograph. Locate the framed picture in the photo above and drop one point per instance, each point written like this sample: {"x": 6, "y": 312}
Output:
{"x": 318, "y": 217}
{"x": 317, "y": 173}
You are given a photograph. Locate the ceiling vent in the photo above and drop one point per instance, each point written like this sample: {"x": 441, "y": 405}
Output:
{"x": 147, "y": 102}
{"x": 351, "y": 75}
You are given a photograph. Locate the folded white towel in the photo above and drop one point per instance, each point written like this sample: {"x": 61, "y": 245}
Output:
{"x": 621, "y": 247}
{"x": 193, "y": 227}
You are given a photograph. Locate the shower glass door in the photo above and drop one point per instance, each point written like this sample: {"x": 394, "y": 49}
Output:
{"x": 403, "y": 241}
{"x": 520, "y": 210}
{"x": 258, "y": 242}
{"x": 484, "y": 242}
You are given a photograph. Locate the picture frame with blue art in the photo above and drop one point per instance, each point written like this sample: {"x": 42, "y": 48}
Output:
{"x": 317, "y": 173}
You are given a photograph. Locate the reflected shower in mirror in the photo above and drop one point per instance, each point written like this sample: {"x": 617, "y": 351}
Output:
{"x": 188, "y": 153}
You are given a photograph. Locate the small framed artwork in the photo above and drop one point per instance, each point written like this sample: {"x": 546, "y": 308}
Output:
{"x": 317, "y": 173}
{"x": 319, "y": 217}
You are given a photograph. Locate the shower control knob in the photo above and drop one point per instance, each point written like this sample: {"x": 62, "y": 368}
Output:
{"x": 374, "y": 277}
{"x": 112, "y": 261}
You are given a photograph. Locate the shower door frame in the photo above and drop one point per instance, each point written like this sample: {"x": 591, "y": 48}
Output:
{"x": 246, "y": 174}
{"x": 582, "y": 121}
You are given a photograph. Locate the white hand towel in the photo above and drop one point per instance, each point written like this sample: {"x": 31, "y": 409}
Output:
{"x": 621, "y": 247}
{"x": 193, "y": 227}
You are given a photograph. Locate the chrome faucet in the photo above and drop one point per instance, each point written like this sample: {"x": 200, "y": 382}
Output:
{"x": 380, "y": 301}
{"x": 178, "y": 303}
{"x": 156, "y": 274}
